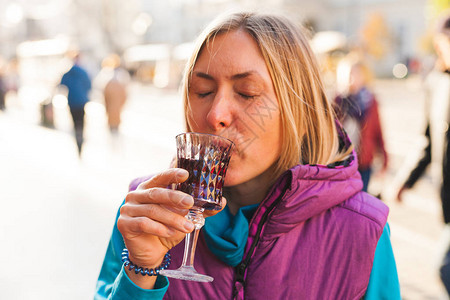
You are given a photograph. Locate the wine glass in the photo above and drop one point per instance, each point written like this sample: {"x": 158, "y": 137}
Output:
{"x": 206, "y": 158}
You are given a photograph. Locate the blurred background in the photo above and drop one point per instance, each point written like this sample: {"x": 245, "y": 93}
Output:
{"x": 58, "y": 207}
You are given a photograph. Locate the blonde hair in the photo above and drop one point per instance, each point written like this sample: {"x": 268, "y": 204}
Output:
{"x": 309, "y": 132}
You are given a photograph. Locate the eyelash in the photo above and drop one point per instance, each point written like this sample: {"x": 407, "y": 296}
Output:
{"x": 203, "y": 95}
{"x": 248, "y": 97}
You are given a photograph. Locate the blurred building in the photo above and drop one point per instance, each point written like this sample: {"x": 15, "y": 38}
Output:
{"x": 389, "y": 30}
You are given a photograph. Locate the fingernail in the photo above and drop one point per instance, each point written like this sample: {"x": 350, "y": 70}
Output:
{"x": 188, "y": 226}
{"x": 181, "y": 172}
{"x": 187, "y": 201}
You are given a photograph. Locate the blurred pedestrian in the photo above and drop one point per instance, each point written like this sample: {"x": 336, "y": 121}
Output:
{"x": 437, "y": 152}
{"x": 114, "y": 89}
{"x": 3, "y": 83}
{"x": 78, "y": 85}
{"x": 3, "y": 89}
{"x": 12, "y": 76}
{"x": 357, "y": 109}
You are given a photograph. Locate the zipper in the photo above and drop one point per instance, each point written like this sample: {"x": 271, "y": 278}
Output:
{"x": 242, "y": 266}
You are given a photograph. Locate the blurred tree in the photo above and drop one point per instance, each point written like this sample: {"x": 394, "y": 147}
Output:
{"x": 376, "y": 38}
{"x": 435, "y": 7}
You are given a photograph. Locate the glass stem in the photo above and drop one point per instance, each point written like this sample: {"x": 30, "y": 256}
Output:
{"x": 196, "y": 216}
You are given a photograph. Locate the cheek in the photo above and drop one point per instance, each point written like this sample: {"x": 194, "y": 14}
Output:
{"x": 197, "y": 117}
{"x": 261, "y": 140}
{"x": 270, "y": 143}
{"x": 263, "y": 117}
{"x": 261, "y": 122}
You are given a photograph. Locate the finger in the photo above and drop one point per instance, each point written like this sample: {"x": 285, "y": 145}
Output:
{"x": 164, "y": 196}
{"x": 132, "y": 227}
{"x": 165, "y": 178}
{"x": 180, "y": 211}
{"x": 159, "y": 214}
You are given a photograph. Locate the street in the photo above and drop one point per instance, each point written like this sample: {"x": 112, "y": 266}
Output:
{"x": 58, "y": 210}
{"x": 417, "y": 230}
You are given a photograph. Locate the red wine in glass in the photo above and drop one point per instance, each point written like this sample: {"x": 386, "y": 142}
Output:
{"x": 205, "y": 181}
{"x": 206, "y": 158}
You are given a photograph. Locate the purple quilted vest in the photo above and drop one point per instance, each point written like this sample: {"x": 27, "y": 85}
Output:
{"x": 313, "y": 237}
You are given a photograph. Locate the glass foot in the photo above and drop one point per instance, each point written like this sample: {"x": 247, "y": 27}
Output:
{"x": 186, "y": 273}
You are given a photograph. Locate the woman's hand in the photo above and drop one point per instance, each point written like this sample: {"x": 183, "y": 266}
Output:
{"x": 152, "y": 220}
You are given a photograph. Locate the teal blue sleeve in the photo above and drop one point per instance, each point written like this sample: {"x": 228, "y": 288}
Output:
{"x": 383, "y": 282}
{"x": 113, "y": 282}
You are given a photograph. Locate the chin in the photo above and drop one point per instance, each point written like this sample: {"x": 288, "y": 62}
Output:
{"x": 231, "y": 180}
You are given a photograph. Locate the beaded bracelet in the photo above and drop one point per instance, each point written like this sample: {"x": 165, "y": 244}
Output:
{"x": 150, "y": 272}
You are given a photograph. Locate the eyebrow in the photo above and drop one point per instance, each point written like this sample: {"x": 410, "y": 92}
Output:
{"x": 233, "y": 77}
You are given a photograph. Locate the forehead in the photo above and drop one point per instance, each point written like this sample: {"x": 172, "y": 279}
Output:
{"x": 222, "y": 40}
{"x": 231, "y": 53}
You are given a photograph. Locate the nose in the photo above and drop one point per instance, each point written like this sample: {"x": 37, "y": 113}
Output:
{"x": 220, "y": 115}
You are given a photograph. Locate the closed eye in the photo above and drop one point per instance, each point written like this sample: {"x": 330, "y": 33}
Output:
{"x": 203, "y": 95}
{"x": 245, "y": 96}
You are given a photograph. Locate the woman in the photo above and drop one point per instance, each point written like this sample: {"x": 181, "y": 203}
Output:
{"x": 296, "y": 224}
{"x": 357, "y": 109}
